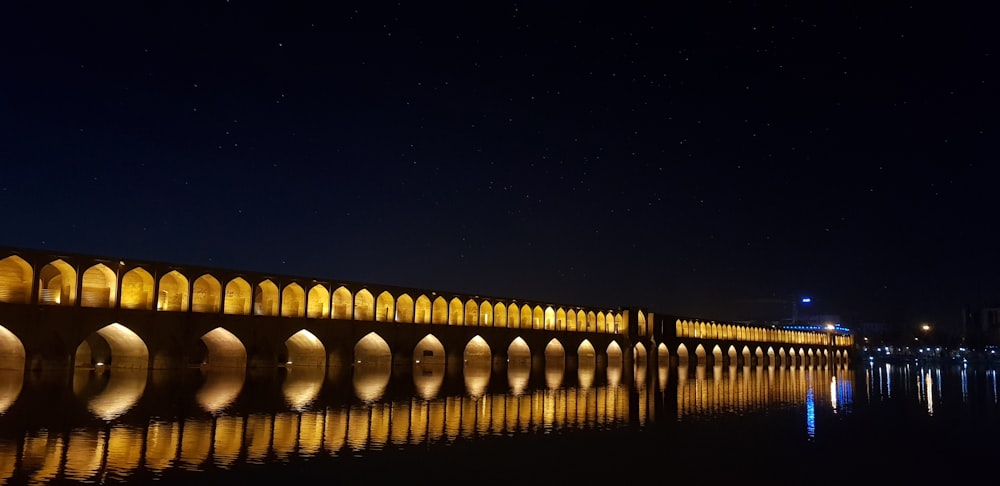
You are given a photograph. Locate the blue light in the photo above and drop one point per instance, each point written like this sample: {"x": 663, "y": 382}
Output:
{"x": 807, "y": 300}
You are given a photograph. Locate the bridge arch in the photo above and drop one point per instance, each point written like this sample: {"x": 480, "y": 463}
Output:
{"x": 555, "y": 354}
{"x": 455, "y": 312}
{"x": 428, "y": 366}
{"x": 614, "y": 352}
{"x": 224, "y": 350}
{"x": 372, "y": 367}
{"x": 384, "y": 311}
{"x": 586, "y": 355}
{"x": 662, "y": 354}
{"x": 486, "y": 314}
{"x": 513, "y": 316}
{"x": 57, "y": 284}
{"x": 404, "y": 309}
{"x": 499, "y": 315}
{"x": 293, "y": 300}
{"x": 364, "y": 304}
{"x": 683, "y": 356}
{"x": 422, "y": 310}
{"x": 439, "y": 311}
{"x": 343, "y": 304}
{"x": 137, "y": 289}
{"x": 518, "y": 365}
{"x": 305, "y": 349}
{"x": 12, "y": 356}
{"x": 99, "y": 287}
{"x": 701, "y": 355}
{"x": 571, "y": 324}
{"x": 318, "y": 302}
{"x": 118, "y": 347}
{"x": 16, "y": 277}
{"x": 173, "y": 294}
{"x": 429, "y": 351}
{"x": 717, "y": 355}
{"x": 207, "y": 294}
{"x": 238, "y": 297}
{"x": 471, "y": 313}
{"x": 525, "y": 317}
{"x": 477, "y": 366}
{"x": 265, "y": 299}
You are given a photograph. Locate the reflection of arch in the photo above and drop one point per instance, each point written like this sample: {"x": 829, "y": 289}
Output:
{"x": 422, "y": 310}
{"x": 342, "y": 303}
{"x": 555, "y": 353}
{"x": 586, "y": 355}
{"x": 265, "y": 299}
{"x": 206, "y": 295}
{"x": 363, "y": 304}
{"x": 137, "y": 289}
{"x": 15, "y": 280}
{"x": 224, "y": 349}
{"x": 122, "y": 391}
{"x": 404, "y": 308}
{"x": 700, "y": 353}
{"x": 173, "y": 294}
{"x": 372, "y": 367}
{"x": 477, "y": 369}
{"x": 429, "y": 366}
{"x": 305, "y": 349}
{"x": 682, "y": 355}
{"x": 99, "y": 287}
{"x": 383, "y": 307}
{"x": 518, "y": 352}
{"x": 293, "y": 300}
{"x": 614, "y": 354}
{"x": 237, "y": 297}
{"x": 57, "y": 284}
{"x": 439, "y": 311}
{"x": 318, "y": 302}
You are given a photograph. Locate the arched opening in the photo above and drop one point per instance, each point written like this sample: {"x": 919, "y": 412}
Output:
{"x": 318, "y": 302}
{"x": 265, "y": 299}
{"x": 343, "y": 303}
{"x": 571, "y": 320}
{"x": 586, "y": 367}
{"x": 384, "y": 307}
{"x": 113, "y": 346}
{"x": 99, "y": 287}
{"x": 683, "y": 359}
{"x": 440, "y": 311}
{"x": 137, "y": 289}
{"x": 500, "y": 315}
{"x": 486, "y": 314}
{"x": 364, "y": 303}
{"x": 15, "y": 280}
{"x": 525, "y": 317}
{"x": 700, "y": 353}
{"x": 614, "y": 364}
{"x": 224, "y": 350}
{"x": 11, "y": 351}
{"x": 717, "y": 355}
{"x": 173, "y": 295}
{"x": 207, "y": 295}
{"x": 471, "y": 313}
{"x": 733, "y": 355}
{"x": 518, "y": 366}
{"x": 422, "y": 310}
{"x": 237, "y": 297}
{"x": 305, "y": 349}
{"x": 455, "y": 315}
{"x": 745, "y": 353}
{"x": 57, "y": 284}
{"x": 550, "y": 318}
{"x": 513, "y": 316}
{"x": 555, "y": 364}
{"x": 404, "y": 309}
{"x": 428, "y": 366}
{"x": 293, "y": 300}
{"x": 601, "y": 326}
{"x": 478, "y": 359}
{"x": 372, "y": 367}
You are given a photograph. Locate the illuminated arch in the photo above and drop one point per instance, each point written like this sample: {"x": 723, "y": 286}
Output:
{"x": 518, "y": 366}
{"x": 173, "y": 294}
{"x": 641, "y": 320}
{"x": 293, "y": 300}
{"x": 126, "y": 347}
{"x": 455, "y": 312}
{"x": 305, "y": 349}
{"x": 586, "y": 355}
{"x": 137, "y": 289}
{"x": 782, "y": 358}
{"x": 663, "y": 354}
{"x": 759, "y": 354}
{"x": 478, "y": 366}
{"x": 471, "y": 313}
{"x": 343, "y": 303}
{"x": 99, "y": 287}
{"x": 549, "y": 318}
{"x": 57, "y": 284}
{"x": 678, "y": 328}
{"x": 537, "y": 318}
{"x": 486, "y": 314}
{"x": 525, "y": 317}
{"x": 363, "y": 303}
{"x": 478, "y": 351}
{"x": 614, "y": 351}
{"x": 513, "y": 316}
{"x": 384, "y": 311}
{"x": 600, "y": 322}
{"x": 554, "y": 350}
{"x": 265, "y": 299}
{"x": 717, "y": 355}
{"x": 404, "y": 308}
{"x": 618, "y": 324}
{"x": 225, "y": 350}
{"x": 591, "y": 321}
{"x": 500, "y": 315}
{"x": 683, "y": 358}
{"x": 15, "y": 280}
{"x": 439, "y": 311}
{"x": 11, "y": 352}
{"x": 519, "y": 352}
{"x": 422, "y": 310}
{"x": 318, "y": 302}
{"x": 733, "y": 355}
{"x": 238, "y": 297}
{"x": 571, "y": 320}
{"x": 372, "y": 350}
{"x": 700, "y": 353}
{"x": 207, "y": 294}
{"x": 429, "y": 366}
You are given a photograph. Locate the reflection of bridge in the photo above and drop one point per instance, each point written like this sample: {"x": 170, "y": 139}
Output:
{"x": 61, "y": 310}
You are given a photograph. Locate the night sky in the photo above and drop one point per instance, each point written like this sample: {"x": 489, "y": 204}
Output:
{"x": 706, "y": 161}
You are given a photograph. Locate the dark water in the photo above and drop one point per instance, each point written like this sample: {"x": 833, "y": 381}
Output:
{"x": 894, "y": 422}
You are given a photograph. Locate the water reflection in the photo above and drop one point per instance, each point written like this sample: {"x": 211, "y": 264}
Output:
{"x": 11, "y": 382}
{"x": 221, "y": 421}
